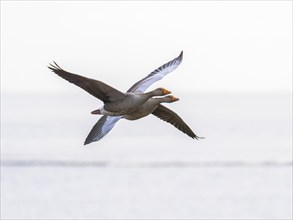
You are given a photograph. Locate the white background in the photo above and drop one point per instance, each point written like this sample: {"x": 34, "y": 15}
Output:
{"x": 241, "y": 46}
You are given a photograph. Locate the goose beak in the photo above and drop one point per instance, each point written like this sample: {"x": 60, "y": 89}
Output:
{"x": 166, "y": 92}
{"x": 96, "y": 112}
{"x": 174, "y": 99}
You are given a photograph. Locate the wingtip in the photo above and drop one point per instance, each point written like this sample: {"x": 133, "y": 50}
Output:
{"x": 54, "y": 66}
{"x": 51, "y": 66}
{"x": 180, "y": 57}
{"x": 86, "y": 142}
{"x": 198, "y": 138}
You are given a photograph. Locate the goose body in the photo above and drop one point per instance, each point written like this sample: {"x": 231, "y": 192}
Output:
{"x": 132, "y": 105}
{"x": 148, "y": 107}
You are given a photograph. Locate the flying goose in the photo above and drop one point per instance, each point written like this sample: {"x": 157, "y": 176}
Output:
{"x": 116, "y": 103}
{"x": 145, "y": 106}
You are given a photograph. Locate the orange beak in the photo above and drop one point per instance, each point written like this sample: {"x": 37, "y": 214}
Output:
{"x": 174, "y": 99}
{"x": 166, "y": 92}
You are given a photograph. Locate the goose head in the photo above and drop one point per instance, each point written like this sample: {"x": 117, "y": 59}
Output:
{"x": 96, "y": 112}
{"x": 161, "y": 92}
{"x": 171, "y": 98}
{"x": 166, "y": 99}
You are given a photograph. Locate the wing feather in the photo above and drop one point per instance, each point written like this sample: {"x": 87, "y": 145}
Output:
{"x": 156, "y": 75}
{"x": 101, "y": 128}
{"x": 96, "y": 88}
{"x": 171, "y": 117}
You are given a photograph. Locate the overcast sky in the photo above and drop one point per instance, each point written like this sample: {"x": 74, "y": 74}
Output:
{"x": 241, "y": 46}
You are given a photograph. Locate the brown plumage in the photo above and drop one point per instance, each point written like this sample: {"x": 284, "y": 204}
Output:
{"x": 171, "y": 117}
{"x": 96, "y": 88}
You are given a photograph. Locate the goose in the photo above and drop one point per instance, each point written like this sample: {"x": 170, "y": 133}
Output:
{"x": 116, "y": 103}
{"x": 149, "y": 105}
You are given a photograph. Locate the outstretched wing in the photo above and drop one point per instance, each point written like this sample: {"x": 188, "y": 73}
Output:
{"x": 96, "y": 88}
{"x": 101, "y": 128}
{"x": 171, "y": 117}
{"x": 156, "y": 75}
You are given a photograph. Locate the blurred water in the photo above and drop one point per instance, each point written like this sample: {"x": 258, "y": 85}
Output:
{"x": 147, "y": 168}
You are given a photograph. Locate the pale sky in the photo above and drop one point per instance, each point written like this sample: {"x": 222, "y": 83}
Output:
{"x": 241, "y": 46}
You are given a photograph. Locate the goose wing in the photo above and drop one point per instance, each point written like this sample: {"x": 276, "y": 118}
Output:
{"x": 156, "y": 75}
{"x": 171, "y": 117}
{"x": 101, "y": 128}
{"x": 96, "y": 88}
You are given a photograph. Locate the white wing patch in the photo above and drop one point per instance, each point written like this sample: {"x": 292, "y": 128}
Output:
{"x": 156, "y": 75}
{"x": 101, "y": 128}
